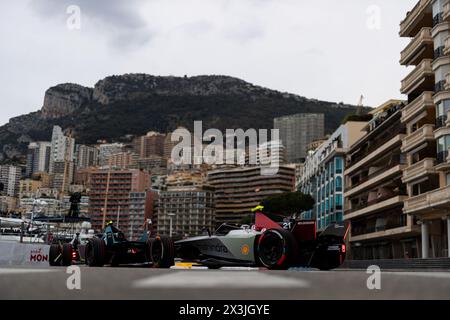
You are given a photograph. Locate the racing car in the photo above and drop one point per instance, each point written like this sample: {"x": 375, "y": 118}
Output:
{"x": 273, "y": 242}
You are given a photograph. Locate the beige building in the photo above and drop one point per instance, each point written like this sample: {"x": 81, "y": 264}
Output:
{"x": 238, "y": 190}
{"x": 426, "y": 118}
{"x": 29, "y": 187}
{"x": 187, "y": 206}
{"x": 375, "y": 193}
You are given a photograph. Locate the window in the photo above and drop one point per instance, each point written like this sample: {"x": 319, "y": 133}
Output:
{"x": 443, "y": 143}
{"x": 447, "y": 179}
{"x": 442, "y": 109}
{"x": 338, "y": 184}
{"x": 338, "y": 201}
{"x": 338, "y": 165}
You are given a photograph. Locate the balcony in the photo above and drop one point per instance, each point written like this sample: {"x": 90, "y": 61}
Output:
{"x": 420, "y": 105}
{"x": 422, "y": 77}
{"x": 374, "y": 151}
{"x": 375, "y": 206}
{"x": 419, "y": 48}
{"x": 433, "y": 202}
{"x": 375, "y": 179}
{"x": 446, "y": 14}
{"x": 418, "y": 137}
{"x": 418, "y": 170}
{"x": 416, "y": 18}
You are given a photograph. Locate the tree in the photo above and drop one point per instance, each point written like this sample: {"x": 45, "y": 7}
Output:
{"x": 288, "y": 203}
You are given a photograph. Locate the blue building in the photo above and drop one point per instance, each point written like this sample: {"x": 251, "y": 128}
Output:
{"x": 322, "y": 175}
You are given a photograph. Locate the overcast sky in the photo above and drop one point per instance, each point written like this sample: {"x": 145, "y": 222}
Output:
{"x": 330, "y": 50}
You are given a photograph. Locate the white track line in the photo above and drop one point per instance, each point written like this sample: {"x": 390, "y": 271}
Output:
{"x": 430, "y": 274}
{"x": 7, "y": 271}
{"x": 220, "y": 279}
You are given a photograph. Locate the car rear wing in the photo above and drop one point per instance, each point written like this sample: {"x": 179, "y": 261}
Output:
{"x": 336, "y": 230}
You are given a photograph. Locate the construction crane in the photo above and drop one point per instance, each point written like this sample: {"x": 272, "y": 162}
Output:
{"x": 360, "y": 106}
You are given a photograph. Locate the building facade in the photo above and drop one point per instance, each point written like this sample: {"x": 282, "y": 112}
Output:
{"x": 238, "y": 190}
{"x": 86, "y": 156}
{"x": 322, "y": 175}
{"x": 140, "y": 210}
{"x": 38, "y": 157}
{"x": 426, "y": 115}
{"x": 298, "y": 131}
{"x": 188, "y": 208}
{"x": 152, "y": 144}
{"x": 109, "y": 195}
{"x": 375, "y": 192}
{"x": 107, "y": 150}
{"x": 10, "y": 178}
{"x": 62, "y": 149}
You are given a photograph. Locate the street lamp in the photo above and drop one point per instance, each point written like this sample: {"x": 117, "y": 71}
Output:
{"x": 171, "y": 215}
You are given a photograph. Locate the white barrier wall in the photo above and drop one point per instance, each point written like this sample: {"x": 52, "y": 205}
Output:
{"x": 17, "y": 254}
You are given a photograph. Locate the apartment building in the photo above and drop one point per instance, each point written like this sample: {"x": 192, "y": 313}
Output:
{"x": 298, "y": 131}
{"x": 238, "y": 190}
{"x": 375, "y": 192}
{"x": 123, "y": 160}
{"x": 10, "y": 178}
{"x": 62, "y": 148}
{"x": 109, "y": 195}
{"x": 152, "y": 144}
{"x": 322, "y": 174}
{"x": 105, "y": 151}
{"x": 86, "y": 156}
{"x": 426, "y": 118}
{"x": 187, "y": 206}
{"x": 38, "y": 157}
{"x": 140, "y": 210}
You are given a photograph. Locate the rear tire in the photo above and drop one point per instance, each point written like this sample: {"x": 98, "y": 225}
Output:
{"x": 55, "y": 255}
{"x": 95, "y": 253}
{"x": 277, "y": 249}
{"x": 67, "y": 254}
{"x": 163, "y": 252}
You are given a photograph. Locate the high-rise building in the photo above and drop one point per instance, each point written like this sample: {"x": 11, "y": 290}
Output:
{"x": 10, "y": 178}
{"x": 426, "y": 117}
{"x": 111, "y": 189}
{"x": 152, "y": 144}
{"x": 62, "y": 149}
{"x": 187, "y": 204}
{"x": 86, "y": 156}
{"x": 297, "y": 131}
{"x": 140, "y": 210}
{"x": 375, "y": 193}
{"x": 238, "y": 190}
{"x": 38, "y": 157}
{"x": 322, "y": 174}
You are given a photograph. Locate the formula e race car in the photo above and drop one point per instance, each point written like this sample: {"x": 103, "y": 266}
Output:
{"x": 273, "y": 242}
{"x": 109, "y": 248}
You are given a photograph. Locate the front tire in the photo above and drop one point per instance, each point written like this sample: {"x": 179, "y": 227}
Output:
{"x": 163, "y": 252}
{"x": 277, "y": 249}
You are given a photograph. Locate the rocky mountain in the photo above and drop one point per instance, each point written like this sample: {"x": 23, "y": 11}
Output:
{"x": 136, "y": 103}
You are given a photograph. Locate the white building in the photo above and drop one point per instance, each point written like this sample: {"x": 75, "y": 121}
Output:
{"x": 63, "y": 148}
{"x": 10, "y": 178}
{"x": 86, "y": 156}
{"x": 38, "y": 157}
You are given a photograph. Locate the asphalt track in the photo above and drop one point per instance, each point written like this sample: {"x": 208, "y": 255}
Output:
{"x": 157, "y": 284}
